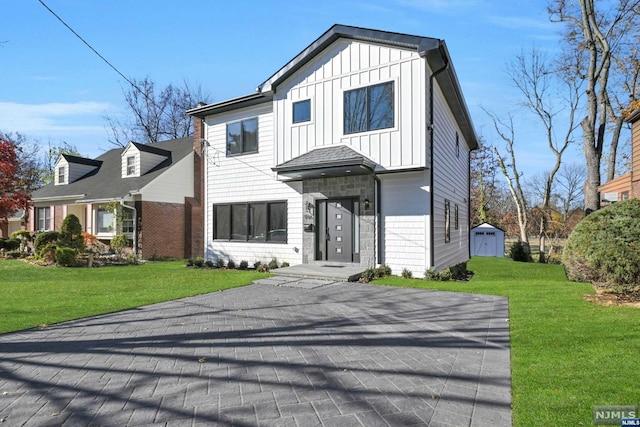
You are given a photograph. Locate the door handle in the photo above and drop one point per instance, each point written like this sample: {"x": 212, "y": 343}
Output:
{"x": 327, "y": 235}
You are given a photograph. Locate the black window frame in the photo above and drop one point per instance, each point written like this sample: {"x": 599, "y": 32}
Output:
{"x": 306, "y": 117}
{"x": 248, "y": 227}
{"x": 366, "y": 90}
{"x": 242, "y": 142}
{"x": 447, "y": 221}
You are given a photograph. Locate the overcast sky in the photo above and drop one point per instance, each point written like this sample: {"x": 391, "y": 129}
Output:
{"x": 53, "y": 88}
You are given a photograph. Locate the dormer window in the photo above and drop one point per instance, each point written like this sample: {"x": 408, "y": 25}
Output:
{"x": 131, "y": 165}
{"x": 61, "y": 174}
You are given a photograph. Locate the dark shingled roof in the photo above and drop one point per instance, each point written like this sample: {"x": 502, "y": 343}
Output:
{"x": 81, "y": 160}
{"x": 327, "y": 157}
{"x": 106, "y": 182}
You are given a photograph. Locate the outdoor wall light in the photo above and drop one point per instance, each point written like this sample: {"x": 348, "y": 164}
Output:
{"x": 367, "y": 204}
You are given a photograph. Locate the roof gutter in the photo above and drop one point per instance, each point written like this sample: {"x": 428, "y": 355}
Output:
{"x": 47, "y": 199}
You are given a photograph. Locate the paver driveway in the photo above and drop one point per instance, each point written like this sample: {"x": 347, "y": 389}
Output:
{"x": 344, "y": 354}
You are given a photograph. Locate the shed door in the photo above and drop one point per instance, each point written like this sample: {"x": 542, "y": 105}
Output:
{"x": 485, "y": 243}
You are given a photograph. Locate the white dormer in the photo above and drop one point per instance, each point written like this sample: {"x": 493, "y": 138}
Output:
{"x": 70, "y": 168}
{"x": 138, "y": 159}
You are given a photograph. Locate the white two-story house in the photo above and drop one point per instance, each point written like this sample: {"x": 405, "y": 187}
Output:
{"x": 355, "y": 151}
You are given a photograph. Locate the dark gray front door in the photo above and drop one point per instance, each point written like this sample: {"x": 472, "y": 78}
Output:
{"x": 339, "y": 230}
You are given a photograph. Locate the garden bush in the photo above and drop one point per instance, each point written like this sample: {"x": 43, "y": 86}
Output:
{"x": 71, "y": 233}
{"x": 243, "y": 265}
{"x": 65, "y": 257}
{"x": 220, "y": 263}
{"x": 604, "y": 248}
{"x": 518, "y": 252}
{"x": 11, "y": 245}
{"x": 406, "y": 273}
{"x": 44, "y": 239}
{"x": 273, "y": 264}
{"x": 231, "y": 265}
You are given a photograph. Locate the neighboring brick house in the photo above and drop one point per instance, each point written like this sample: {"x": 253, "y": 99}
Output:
{"x": 155, "y": 185}
{"x": 628, "y": 185}
{"x": 15, "y": 222}
{"x": 355, "y": 152}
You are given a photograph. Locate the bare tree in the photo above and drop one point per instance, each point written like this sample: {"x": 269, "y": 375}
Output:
{"x": 532, "y": 75}
{"x": 154, "y": 115}
{"x": 51, "y": 156}
{"x": 484, "y": 185}
{"x": 570, "y": 188}
{"x": 512, "y": 174}
{"x": 596, "y": 33}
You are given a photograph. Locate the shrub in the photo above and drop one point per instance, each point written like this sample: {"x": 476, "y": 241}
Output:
{"x": 459, "y": 271}
{"x": 198, "y": 262}
{"x": 263, "y": 268}
{"x": 231, "y": 265}
{"x": 445, "y": 275}
{"x": 189, "y": 262}
{"x": 71, "y": 233}
{"x": 368, "y": 275}
{"x": 13, "y": 254}
{"x": 220, "y": 263}
{"x": 604, "y": 248}
{"x": 118, "y": 243}
{"x": 273, "y": 264}
{"x": 284, "y": 264}
{"x": 518, "y": 252}
{"x": 257, "y": 264}
{"x": 406, "y": 273}
{"x": 431, "y": 274}
{"x": 208, "y": 263}
{"x": 243, "y": 265}
{"x": 43, "y": 239}
{"x": 384, "y": 270}
{"x": 65, "y": 257}
{"x": 12, "y": 244}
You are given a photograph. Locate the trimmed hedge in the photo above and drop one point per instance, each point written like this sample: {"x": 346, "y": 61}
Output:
{"x": 65, "y": 257}
{"x": 44, "y": 239}
{"x": 604, "y": 248}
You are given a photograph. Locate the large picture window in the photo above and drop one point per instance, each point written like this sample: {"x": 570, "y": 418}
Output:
{"x": 252, "y": 222}
{"x": 369, "y": 108}
{"x": 242, "y": 137}
{"x": 105, "y": 220}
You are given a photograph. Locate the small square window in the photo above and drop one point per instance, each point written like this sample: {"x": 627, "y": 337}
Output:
{"x": 242, "y": 137}
{"x": 302, "y": 111}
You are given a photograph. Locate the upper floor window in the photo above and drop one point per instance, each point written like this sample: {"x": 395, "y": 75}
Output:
{"x": 131, "y": 165}
{"x": 302, "y": 111}
{"x": 43, "y": 219}
{"x": 242, "y": 137}
{"x": 369, "y": 108}
{"x": 61, "y": 174}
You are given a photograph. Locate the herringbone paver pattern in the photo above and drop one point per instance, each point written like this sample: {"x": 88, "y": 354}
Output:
{"x": 264, "y": 355}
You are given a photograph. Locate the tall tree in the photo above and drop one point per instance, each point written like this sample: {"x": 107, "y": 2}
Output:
{"x": 508, "y": 166}
{"x": 14, "y": 185}
{"x": 539, "y": 83}
{"x": 154, "y": 115}
{"x": 596, "y": 34}
{"x": 484, "y": 185}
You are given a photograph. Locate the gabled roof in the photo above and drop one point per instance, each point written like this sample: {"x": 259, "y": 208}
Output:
{"x": 434, "y": 50}
{"x": 81, "y": 160}
{"x": 336, "y": 160}
{"x": 151, "y": 148}
{"x": 106, "y": 183}
{"x": 487, "y": 225}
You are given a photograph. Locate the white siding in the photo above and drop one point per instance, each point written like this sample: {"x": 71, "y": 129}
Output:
{"x": 145, "y": 161}
{"x": 451, "y": 182}
{"x": 247, "y": 178}
{"x": 348, "y": 65}
{"x": 61, "y": 163}
{"x": 72, "y": 171}
{"x": 173, "y": 185}
{"x": 405, "y": 221}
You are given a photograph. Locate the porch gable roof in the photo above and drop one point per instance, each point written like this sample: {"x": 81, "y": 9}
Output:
{"x": 336, "y": 160}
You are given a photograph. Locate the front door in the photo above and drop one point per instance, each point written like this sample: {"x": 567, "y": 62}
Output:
{"x": 339, "y": 230}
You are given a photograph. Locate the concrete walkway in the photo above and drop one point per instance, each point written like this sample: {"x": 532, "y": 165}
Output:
{"x": 277, "y": 353}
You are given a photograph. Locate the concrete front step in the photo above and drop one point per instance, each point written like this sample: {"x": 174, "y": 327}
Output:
{"x": 325, "y": 271}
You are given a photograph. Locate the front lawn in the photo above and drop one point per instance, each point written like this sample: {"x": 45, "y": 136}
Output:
{"x": 567, "y": 355}
{"x": 33, "y": 296}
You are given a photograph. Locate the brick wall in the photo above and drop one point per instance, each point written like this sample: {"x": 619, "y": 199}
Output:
{"x": 162, "y": 230}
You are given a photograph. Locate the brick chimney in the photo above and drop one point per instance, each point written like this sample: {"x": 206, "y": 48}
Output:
{"x": 194, "y": 206}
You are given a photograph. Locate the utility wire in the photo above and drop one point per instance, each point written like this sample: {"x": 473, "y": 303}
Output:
{"x": 113, "y": 67}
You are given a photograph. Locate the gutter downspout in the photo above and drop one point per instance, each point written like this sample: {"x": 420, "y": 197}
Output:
{"x": 431, "y": 138}
{"x": 377, "y": 230}
{"x": 135, "y": 225}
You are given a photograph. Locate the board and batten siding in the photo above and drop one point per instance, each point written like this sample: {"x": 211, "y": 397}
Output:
{"x": 405, "y": 221}
{"x": 248, "y": 178}
{"x": 346, "y": 65}
{"x": 173, "y": 185}
{"x": 451, "y": 182}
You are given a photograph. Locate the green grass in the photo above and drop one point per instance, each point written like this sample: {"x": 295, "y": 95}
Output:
{"x": 567, "y": 354}
{"x": 33, "y": 296}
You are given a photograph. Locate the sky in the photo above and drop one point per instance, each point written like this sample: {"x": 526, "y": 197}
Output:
{"x": 53, "y": 88}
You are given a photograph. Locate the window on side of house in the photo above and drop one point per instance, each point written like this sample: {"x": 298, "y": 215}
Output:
{"x": 61, "y": 174}
{"x": 127, "y": 221}
{"x": 302, "y": 111}
{"x": 457, "y": 146}
{"x": 251, "y": 222}
{"x": 456, "y": 223}
{"x": 131, "y": 165}
{"x": 43, "y": 219}
{"x": 242, "y": 137}
{"x": 369, "y": 108}
{"x": 447, "y": 221}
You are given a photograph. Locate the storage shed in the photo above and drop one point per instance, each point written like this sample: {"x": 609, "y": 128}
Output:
{"x": 487, "y": 240}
